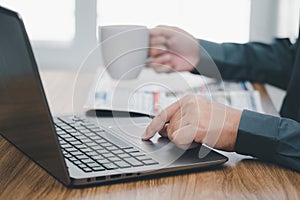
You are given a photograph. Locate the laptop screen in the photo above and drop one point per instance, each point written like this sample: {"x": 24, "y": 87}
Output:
{"x": 25, "y": 119}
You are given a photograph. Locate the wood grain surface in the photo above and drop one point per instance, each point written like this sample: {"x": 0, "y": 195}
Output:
{"x": 241, "y": 178}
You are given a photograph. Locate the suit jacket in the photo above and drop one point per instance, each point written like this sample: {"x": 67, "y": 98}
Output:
{"x": 275, "y": 139}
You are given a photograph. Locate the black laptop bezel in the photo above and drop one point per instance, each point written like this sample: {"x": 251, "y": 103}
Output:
{"x": 64, "y": 177}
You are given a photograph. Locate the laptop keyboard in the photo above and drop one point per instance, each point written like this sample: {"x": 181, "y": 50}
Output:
{"x": 88, "y": 147}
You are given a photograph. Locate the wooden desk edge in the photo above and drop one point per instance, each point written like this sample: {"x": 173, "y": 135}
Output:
{"x": 267, "y": 103}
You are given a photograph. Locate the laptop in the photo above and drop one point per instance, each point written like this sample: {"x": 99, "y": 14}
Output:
{"x": 78, "y": 150}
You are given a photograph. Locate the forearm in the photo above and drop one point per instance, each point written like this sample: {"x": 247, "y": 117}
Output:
{"x": 269, "y": 138}
{"x": 251, "y": 61}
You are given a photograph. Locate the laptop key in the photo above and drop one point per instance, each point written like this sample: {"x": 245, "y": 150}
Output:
{"x": 60, "y": 131}
{"x": 102, "y": 151}
{"x": 134, "y": 162}
{"x": 98, "y": 168}
{"x": 87, "y": 169}
{"x": 72, "y": 149}
{"x": 87, "y": 160}
{"x": 91, "y": 144}
{"x": 114, "y": 159}
{"x": 122, "y": 164}
{"x": 72, "y": 140}
{"x": 110, "y": 166}
{"x": 66, "y": 146}
{"x": 111, "y": 148}
{"x": 137, "y": 154}
{"x": 92, "y": 153}
{"x": 130, "y": 150}
{"x": 107, "y": 155}
{"x": 66, "y": 137}
{"x": 150, "y": 162}
{"x": 67, "y": 155}
{"x": 98, "y": 157}
{"x": 81, "y": 165}
{"x": 80, "y": 128}
{"x": 103, "y": 161}
{"x": 100, "y": 140}
{"x": 85, "y": 140}
{"x": 84, "y": 131}
{"x": 81, "y": 146}
{"x": 117, "y": 151}
{"x": 124, "y": 155}
{"x": 62, "y": 142}
{"x": 106, "y": 144}
{"x": 77, "y": 162}
{"x": 72, "y": 159}
{"x": 76, "y": 142}
{"x": 69, "y": 129}
{"x": 144, "y": 158}
{"x": 76, "y": 153}
{"x": 88, "y": 133}
{"x": 98, "y": 147}
{"x": 87, "y": 150}
{"x": 94, "y": 164}
{"x": 82, "y": 157}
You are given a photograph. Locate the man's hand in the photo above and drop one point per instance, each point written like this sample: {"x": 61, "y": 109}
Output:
{"x": 194, "y": 118}
{"x": 172, "y": 49}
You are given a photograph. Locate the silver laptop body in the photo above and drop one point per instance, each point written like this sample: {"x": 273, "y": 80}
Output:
{"x": 84, "y": 149}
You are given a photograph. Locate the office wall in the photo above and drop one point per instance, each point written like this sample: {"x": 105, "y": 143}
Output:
{"x": 203, "y": 18}
{"x": 274, "y": 18}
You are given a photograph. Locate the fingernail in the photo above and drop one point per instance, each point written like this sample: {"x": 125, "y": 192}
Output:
{"x": 144, "y": 136}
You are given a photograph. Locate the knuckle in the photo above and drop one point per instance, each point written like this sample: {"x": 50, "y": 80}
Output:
{"x": 189, "y": 100}
{"x": 200, "y": 135}
{"x": 190, "y": 96}
{"x": 170, "y": 133}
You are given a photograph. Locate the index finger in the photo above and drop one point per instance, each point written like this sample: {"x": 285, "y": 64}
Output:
{"x": 160, "y": 120}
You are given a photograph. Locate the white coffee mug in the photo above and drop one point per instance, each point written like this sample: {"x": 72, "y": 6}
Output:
{"x": 124, "y": 49}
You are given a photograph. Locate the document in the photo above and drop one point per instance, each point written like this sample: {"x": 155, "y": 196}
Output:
{"x": 152, "y": 92}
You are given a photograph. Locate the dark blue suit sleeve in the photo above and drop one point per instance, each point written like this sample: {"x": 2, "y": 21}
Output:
{"x": 253, "y": 61}
{"x": 269, "y": 138}
{"x": 266, "y": 137}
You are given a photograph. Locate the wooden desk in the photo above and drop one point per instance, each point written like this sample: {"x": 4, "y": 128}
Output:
{"x": 241, "y": 178}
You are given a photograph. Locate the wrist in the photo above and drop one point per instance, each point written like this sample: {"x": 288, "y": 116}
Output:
{"x": 231, "y": 126}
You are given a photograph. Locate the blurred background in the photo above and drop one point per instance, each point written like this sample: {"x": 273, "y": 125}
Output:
{"x": 63, "y": 32}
